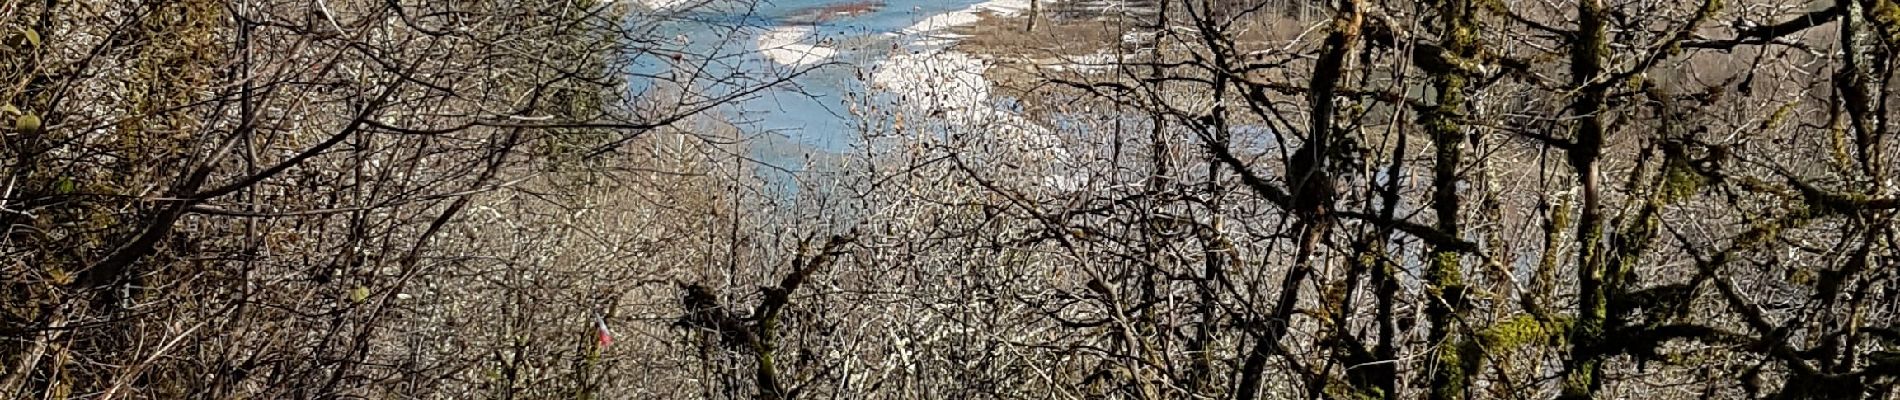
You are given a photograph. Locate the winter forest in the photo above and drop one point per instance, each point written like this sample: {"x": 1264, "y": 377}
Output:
{"x": 949, "y": 199}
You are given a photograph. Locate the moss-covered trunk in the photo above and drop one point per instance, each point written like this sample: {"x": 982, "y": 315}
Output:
{"x": 1587, "y": 55}
{"x": 1445, "y": 279}
{"x": 1311, "y": 189}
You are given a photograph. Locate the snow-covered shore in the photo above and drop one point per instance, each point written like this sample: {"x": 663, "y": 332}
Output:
{"x": 662, "y": 4}
{"x": 949, "y": 85}
{"x": 783, "y": 45}
{"x": 936, "y": 78}
{"x": 937, "y": 24}
{"x": 934, "y": 81}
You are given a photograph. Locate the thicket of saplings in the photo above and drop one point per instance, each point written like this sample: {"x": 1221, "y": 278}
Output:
{"x": 1349, "y": 199}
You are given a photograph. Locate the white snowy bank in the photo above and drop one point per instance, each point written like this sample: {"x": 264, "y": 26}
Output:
{"x": 657, "y": 5}
{"x": 783, "y": 45}
{"x": 950, "y": 87}
{"x": 935, "y": 25}
{"x": 934, "y": 80}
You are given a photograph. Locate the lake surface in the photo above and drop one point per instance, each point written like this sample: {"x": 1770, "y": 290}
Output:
{"x": 809, "y": 113}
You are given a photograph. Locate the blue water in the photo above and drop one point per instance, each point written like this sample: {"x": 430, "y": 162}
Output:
{"x": 808, "y": 112}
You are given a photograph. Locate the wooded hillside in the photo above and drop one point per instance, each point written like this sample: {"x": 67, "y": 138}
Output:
{"x": 1178, "y": 199}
